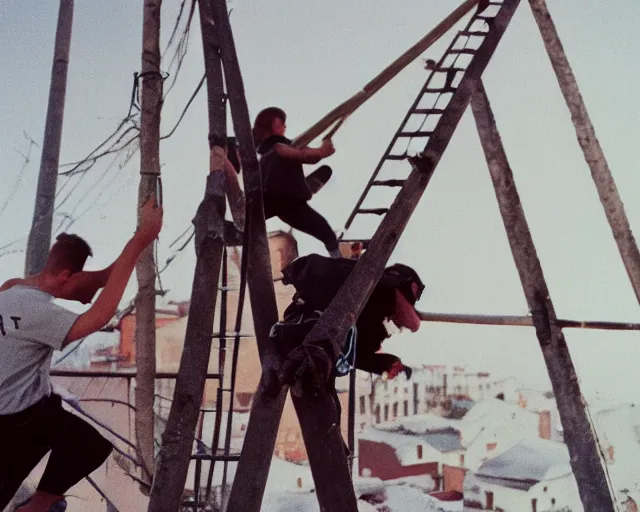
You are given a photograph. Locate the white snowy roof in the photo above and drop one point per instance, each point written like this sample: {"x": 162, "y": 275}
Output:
{"x": 421, "y": 423}
{"x": 526, "y": 463}
{"x": 405, "y": 444}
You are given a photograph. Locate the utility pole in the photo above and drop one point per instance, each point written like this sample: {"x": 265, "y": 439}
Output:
{"x": 145, "y": 303}
{"x": 40, "y": 235}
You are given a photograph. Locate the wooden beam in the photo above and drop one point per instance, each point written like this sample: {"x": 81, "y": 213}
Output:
{"x": 177, "y": 440}
{"x": 593, "y": 153}
{"x": 585, "y": 457}
{"x": 39, "y": 241}
{"x": 145, "y": 301}
{"x": 385, "y": 76}
{"x": 268, "y": 403}
{"x": 523, "y": 321}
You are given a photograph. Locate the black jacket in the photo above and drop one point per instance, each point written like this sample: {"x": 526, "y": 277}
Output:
{"x": 317, "y": 279}
{"x": 281, "y": 177}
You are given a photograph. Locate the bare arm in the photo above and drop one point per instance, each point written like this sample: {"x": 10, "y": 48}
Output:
{"x": 306, "y": 155}
{"x": 83, "y": 286}
{"x": 99, "y": 314}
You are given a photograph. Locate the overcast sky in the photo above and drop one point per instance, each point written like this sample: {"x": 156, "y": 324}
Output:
{"x": 306, "y": 57}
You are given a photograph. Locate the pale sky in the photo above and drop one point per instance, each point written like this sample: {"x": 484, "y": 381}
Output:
{"x": 307, "y": 57}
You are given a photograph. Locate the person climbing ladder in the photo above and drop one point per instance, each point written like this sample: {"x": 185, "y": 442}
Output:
{"x": 285, "y": 189}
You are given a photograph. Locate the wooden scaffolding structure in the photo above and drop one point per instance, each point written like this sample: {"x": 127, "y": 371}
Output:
{"x": 454, "y": 83}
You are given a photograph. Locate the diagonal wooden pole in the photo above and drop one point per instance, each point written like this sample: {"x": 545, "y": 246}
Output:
{"x": 350, "y": 299}
{"x": 177, "y": 440}
{"x": 317, "y": 413}
{"x": 384, "y": 77}
{"x": 593, "y": 153}
{"x": 253, "y": 468}
{"x": 329, "y": 464}
{"x": 585, "y": 457}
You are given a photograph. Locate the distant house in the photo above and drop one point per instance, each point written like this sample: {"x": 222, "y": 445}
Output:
{"x": 433, "y": 389}
{"x": 399, "y": 453}
{"x": 493, "y": 426}
{"x": 534, "y": 475}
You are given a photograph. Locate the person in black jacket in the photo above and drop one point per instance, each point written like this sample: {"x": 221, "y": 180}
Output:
{"x": 285, "y": 191}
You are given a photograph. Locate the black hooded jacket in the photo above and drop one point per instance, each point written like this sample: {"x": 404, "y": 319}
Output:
{"x": 281, "y": 177}
{"x": 317, "y": 279}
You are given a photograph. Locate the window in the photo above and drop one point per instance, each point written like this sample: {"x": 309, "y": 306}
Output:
{"x": 406, "y": 408}
{"x": 415, "y": 406}
{"x": 378, "y": 413}
{"x": 395, "y": 410}
{"x": 462, "y": 459}
{"x": 363, "y": 405}
{"x": 419, "y": 451}
{"x": 534, "y": 505}
{"x": 386, "y": 413}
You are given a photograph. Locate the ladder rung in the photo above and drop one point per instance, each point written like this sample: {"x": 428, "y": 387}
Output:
{"x": 396, "y": 157}
{"x": 416, "y": 134}
{"x": 468, "y": 51}
{"x": 428, "y": 111}
{"x": 388, "y": 183}
{"x": 372, "y": 211}
{"x": 446, "y": 70}
{"x": 470, "y": 33}
{"x": 438, "y": 90}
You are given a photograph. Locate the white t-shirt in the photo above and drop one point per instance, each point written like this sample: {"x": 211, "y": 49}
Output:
{"x": 32, "y": 326}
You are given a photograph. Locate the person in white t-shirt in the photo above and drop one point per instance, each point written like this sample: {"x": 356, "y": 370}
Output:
{"x": 32, "y": 419}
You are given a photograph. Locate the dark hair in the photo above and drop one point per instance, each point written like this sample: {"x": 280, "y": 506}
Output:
{"x": 264, "y": 121}
{"x": 70, "y": 252}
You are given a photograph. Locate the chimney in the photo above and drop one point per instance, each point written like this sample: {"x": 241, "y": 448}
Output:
{"x": 544, "y": 425}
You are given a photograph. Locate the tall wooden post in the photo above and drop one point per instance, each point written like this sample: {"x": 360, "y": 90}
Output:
{"x": 593, "y": 153}
{"x": 40, "y": 235}
{"x": 145, "y": 334}
{"x": 253, "y": 468}
{"x": 177, "y": 440}
{"x": 578, "y": 435}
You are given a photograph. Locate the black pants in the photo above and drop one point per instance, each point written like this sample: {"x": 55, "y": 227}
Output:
{"x": 299, "y": 215}
{"x": 76, "y": 448}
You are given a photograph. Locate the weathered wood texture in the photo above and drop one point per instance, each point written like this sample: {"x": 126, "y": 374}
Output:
{"x": 145, "y": 302}
{"x": 177, "y": 439}
{"x": 578, "y": 434}
{"x": 175, "y": 454}
{"x": 253, "y": 468}
{"x": 523, "y": 321}
{"x": 39, "y": 240}
{"x": 593, "y": 153}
